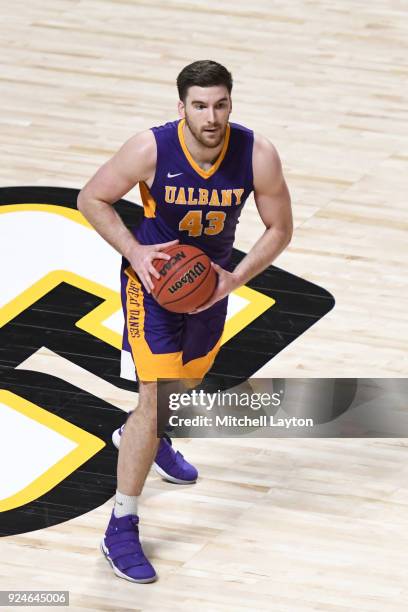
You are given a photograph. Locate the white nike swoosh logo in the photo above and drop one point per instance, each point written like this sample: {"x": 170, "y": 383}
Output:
{"x": 172, "y": 175}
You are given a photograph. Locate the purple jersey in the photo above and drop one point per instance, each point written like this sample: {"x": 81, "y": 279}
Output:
{"x": 199, "y": 207}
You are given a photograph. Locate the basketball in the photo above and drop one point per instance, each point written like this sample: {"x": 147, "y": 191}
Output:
{"x": 187, "y": 279}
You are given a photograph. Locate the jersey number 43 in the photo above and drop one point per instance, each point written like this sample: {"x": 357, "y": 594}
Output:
{"x": 192, "y": 223}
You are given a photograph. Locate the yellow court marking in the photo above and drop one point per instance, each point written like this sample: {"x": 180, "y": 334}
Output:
{"x": 258, "y": 304}
{"x": 93, "y": 322}
{"x": 87, "y": 445}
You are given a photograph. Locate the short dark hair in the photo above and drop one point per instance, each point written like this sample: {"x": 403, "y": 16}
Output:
{"x": 204, "y": 73}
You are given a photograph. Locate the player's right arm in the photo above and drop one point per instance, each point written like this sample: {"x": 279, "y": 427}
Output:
{"x": 134, "y": 162}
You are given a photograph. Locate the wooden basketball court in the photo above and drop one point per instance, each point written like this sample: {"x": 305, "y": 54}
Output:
{"x": 289, "y": 525}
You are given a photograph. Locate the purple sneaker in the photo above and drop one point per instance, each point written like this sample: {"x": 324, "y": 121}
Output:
{"x": 123, "y": 550}
{"x": 170, "y": 464}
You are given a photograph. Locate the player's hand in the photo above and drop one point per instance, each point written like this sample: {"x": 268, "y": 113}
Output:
{"x": 142, "y": 259}
{"x": 227, "y": 282}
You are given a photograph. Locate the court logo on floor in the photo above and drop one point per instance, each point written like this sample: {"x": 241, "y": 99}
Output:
{"x": 60, "y": 307}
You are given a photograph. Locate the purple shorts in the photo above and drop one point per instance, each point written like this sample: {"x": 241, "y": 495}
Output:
{"x": 165, "y": 344}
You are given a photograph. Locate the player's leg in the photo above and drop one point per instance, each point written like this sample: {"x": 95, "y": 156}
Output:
{"x": 139, "y": 442}
{"x": 121, "y": 544}
{"x": 155, "y": 339}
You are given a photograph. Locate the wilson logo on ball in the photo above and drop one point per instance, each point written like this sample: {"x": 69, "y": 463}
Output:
{"x": 189, "y": 277}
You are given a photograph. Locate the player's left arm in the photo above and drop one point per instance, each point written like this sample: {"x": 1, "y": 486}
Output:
{"x": 273, "y": 202}
{"x": 272, "y": 199}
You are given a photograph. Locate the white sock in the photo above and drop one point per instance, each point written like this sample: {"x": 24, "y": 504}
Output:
{"x": 125, "y": 504}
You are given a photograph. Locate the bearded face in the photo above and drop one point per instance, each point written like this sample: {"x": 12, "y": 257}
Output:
{"x": 206, "y": 111}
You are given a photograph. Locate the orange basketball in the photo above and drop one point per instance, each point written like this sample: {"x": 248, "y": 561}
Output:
{"x": 187, "y": 279}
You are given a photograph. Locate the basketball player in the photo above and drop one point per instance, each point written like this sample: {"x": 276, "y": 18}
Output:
{"x": 195, "y": 175}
